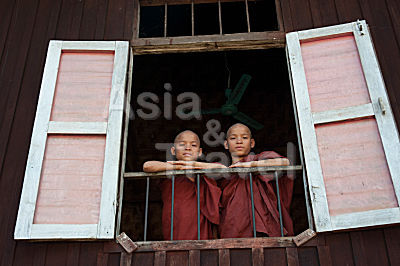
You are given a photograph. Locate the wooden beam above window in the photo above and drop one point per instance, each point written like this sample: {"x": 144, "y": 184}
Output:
{"x": 237, "y": 41}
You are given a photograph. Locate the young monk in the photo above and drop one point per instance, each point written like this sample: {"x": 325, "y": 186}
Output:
{"x": 187, "y": 149}
{"x": 236, "y": 215}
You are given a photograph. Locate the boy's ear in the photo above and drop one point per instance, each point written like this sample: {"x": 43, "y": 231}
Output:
{"x": 200, "y": 152}
{"x": 252, "y": 143}
{"x": 226, "y": 145}
{"x": 173, "y": 150}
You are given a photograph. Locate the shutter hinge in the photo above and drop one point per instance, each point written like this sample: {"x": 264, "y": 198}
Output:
{"x": 360, "y": 28}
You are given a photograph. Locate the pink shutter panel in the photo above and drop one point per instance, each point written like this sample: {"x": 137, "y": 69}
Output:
{"x": 70, "y": 184}
{"x": 349, "y": 143}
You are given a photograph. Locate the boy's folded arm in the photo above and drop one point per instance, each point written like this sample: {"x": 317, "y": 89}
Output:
{"x": 156, "y": 166}
{"x": 263, "y": 163}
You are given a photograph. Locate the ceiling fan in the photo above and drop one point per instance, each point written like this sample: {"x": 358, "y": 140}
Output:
{"x": 230, "y": 106}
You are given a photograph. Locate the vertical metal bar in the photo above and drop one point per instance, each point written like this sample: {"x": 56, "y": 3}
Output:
{"x": 220, "y": 17}
{"x": 146, "y": 211}
{"x": 279, "y": 201}
{"x": 172, "y": 207}
{"x": 192, "y": 17}
{"x": 165, "y": 18}
{"x": 252, "y": 204}
{"x": 198, "y": 206}
{"x": 247, "y": 15}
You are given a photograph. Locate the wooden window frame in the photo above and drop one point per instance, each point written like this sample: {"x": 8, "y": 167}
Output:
{"x": 307, "y": 120}
{"x": 105, "y": 228}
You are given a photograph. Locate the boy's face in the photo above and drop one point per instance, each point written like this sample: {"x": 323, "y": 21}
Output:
{"x": 239, "y": 141}
{"x": 186, "y": 147}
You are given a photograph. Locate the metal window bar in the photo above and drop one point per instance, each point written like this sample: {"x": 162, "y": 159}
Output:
{"x": 220, "y": 17}
{"x": 198, "y": 206}
{"x": 165, "y": 18}
{"x": 146, "y": 211}
{"x": 279, "y": 200}
{"x": 192, "y": 10}
{"x": 252, "y": 204}
{"x": 172, "y": 207}
{"x": 275, "y": 169}
{"x": 247, "y": 15}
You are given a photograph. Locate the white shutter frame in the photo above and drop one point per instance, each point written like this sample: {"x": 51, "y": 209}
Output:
{"x": 307, "y": 121}
{"x": 25, "y": 229}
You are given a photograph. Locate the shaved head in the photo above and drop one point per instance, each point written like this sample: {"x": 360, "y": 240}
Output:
{"x": 236, "y": 126}
{"x": 179, "y": 136}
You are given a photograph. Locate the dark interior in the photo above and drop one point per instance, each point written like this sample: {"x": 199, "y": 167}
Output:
{"x": 267, "y": 99}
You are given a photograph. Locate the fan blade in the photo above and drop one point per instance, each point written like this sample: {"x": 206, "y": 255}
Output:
{"x": 248, "y": 120}
{"x": 237, "y": 93}
{"x": 211, "y": 111}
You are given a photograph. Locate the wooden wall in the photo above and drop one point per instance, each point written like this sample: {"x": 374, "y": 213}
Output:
{"x": 25, "y": 29}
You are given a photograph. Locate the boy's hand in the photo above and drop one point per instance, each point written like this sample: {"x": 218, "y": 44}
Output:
{"x": 182, "y": 165}
{"x": 242, "y": 164}
{"x": 197, "y": 165}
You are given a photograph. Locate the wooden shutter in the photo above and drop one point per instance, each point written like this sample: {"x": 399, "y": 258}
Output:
{"x": 350, "y": 141}
{"x": 71, "y": 178}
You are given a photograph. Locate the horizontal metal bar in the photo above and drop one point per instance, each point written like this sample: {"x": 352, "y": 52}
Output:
{"x": 215, "y": 172}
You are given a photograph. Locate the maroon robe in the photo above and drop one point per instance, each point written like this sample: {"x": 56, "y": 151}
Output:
{"x": 185, "y": 208}
{"x": 236, "y": 215}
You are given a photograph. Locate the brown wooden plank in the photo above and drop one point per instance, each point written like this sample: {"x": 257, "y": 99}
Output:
{"x": 308, "y": 256}
{"x": 215, "y": 244}
{"x": 73, "y": 254}
{"x": 126, "y": 259}
{"x": 69, "y": 20}
{"x": 257, "y": 256}
{"x": 194, "y": 257}
{"x": 24, "y": 254}
{"x": 12, "y": 155}
{"x": 286, "y": 15}
{"x": 323, "y": 13}
{"x": 348, "y": 10}
{"x": 301, "y": 14}
{"x": 393, "y": 7}
{"x": 240, "y": 257}
{"x": 224, "y": 258}
{"x": 357, "y": 243}
{"x": 177, "y": 258}
{"x": 6, "y": 13}
{"x": 340, "y": 248}
{"x": 386, "y": 48}
{"x": 160, "y": 258}
{"x": 88, "y": 253}
{"x": 115, "y": 20}
{"x": 114, "y": 259}
{"x": 146, "y": 258}
{"x": 102, "y": 259}
{"x": 375, "y": 248}
{"x": 129, "y": 19}
{"x": 89, "y": 20}
{"x": 56, "y": 254}
{"x": 101, "y": 19}
{"x": 392, "y": 236}
{"x": 324, "y": 256}
{"x": 292, "y": 257}
{"x": 209, "y": 257}
{"x": 112, "y": 247}
{"x": 275, "y": 256}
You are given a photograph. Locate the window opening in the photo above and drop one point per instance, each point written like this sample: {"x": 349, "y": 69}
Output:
{"x": 267, "y": 100}
{"x": 206, "y": 19}
{"x": 203, "y": 17}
